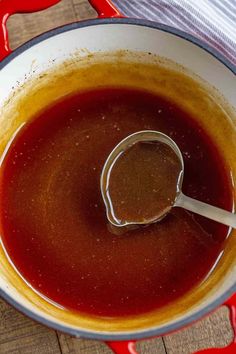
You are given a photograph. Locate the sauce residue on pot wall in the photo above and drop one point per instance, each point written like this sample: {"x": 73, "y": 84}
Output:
{"x": 53, "y": 220}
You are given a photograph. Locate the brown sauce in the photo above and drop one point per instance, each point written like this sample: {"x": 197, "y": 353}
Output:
{"x": 143, "y": 182}
{"x": 53, "y": 221}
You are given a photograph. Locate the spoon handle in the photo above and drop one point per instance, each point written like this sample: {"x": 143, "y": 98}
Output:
{"x": 209, "y": 211}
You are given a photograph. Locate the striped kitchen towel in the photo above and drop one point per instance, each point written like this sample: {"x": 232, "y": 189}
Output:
{"x": 213, "y": 21}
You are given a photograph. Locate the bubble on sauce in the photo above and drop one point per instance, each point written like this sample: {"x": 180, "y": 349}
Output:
{"x": 186, "y": 154}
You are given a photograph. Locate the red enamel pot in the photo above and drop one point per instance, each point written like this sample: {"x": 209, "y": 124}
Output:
{"x": 108, "y": 33}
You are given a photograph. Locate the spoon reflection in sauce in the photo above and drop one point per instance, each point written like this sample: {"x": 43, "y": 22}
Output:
{"x": 141, "y": 182}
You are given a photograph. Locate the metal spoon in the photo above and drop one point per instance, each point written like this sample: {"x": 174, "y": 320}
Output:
{"x": 181, "y": 200}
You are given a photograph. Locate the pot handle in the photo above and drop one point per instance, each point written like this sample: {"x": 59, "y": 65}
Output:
{"x": 122, "y": 347}
{"x": 105, "y": 8}
{"x": 231, "y": 349}
{"x": 129, "y": 347}
{"x": 10, "y": 7}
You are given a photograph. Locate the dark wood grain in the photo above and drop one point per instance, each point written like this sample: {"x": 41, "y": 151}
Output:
{"x": 26, "y": 26}
{"x": 213, "y": 331}
{"x": 21, "y": 335}
{"x": 71, "y": 345}
{"x": 83, "y": 10}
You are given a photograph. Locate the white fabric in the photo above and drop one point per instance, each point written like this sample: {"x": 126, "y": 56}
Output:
{"x": 213, "y": 21}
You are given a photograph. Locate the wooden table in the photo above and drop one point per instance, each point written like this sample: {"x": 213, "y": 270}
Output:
{"x": 18, "y": 334}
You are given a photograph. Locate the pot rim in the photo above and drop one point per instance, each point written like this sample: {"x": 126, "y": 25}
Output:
{"x": 127, "y": 21}
{"x": 149, "y": 332}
